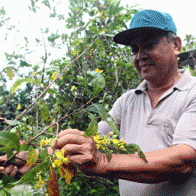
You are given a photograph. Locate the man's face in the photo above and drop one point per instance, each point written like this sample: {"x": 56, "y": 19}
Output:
{"x": 154, "y": 58}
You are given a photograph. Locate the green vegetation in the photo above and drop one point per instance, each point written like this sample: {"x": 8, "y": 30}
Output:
{"x": 92, "y": 23}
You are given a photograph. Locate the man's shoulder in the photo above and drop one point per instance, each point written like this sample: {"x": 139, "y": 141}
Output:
{"x": 127, "y": 95}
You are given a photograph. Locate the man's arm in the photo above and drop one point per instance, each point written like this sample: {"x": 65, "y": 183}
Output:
{"x": 19, "y": 164}
{"x": 163, "y": 165}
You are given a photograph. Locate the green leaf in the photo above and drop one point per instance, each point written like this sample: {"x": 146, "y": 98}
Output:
{"x": 9, "y": 140}
{"x": 13, "y": 122}
{"x": 52, "y": 91}
{"x": 7, "y": 193}
{"x": 23, "y": 147}
{"x": 31, "y": 156}
{"x": 109, "y": 152}
{"x": 44, "y": 113}
{"x": 10, "y": 73}
{"x": 92, "y": 130}
{"x": 93, "y": 29}
{"x": 32, "y": 173}
{"x": 9, "y": 152}
{"x": 97, "y": 108}
{"x": 132, "y": 148}
{"x": 20, "y": 81}
{"x": 34, "y": 10}
{"x": 98, "y": 82}
{"x": 43, "y": 154}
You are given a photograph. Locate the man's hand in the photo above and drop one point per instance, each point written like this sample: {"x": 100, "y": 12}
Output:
{"x": 18, "y": 166}
{"x": 82, "y": 151}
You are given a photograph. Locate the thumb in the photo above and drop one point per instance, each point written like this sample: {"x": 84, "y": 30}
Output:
{"x": 2, "y": 168}
{"x": 3, "y": 159}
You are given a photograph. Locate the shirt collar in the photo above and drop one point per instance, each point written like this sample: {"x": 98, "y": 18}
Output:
{"x": 184, "y": 83}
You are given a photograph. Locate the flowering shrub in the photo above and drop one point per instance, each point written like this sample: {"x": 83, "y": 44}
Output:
{"x": 58, "y": 162}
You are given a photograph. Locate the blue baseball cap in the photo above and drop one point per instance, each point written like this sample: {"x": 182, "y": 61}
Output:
{"x": 146, "y": 23}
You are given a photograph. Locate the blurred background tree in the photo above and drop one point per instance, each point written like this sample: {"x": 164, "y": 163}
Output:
{"x": 87, "y": 20}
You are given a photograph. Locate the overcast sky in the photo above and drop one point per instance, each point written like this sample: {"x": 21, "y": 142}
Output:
{"x": 29, "y": 23}
{"x": 182, "y": 12}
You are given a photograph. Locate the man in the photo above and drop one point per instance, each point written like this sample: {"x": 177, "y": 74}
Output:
{"x": 159, "y": 116}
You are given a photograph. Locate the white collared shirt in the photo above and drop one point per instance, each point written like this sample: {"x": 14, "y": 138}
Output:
{"x": 172, "y": 121}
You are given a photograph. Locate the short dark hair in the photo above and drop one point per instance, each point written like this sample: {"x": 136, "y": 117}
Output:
{"x": 170, "y": 36}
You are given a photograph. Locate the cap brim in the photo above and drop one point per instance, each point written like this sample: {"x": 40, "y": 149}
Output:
{"x": 128, "y": 36}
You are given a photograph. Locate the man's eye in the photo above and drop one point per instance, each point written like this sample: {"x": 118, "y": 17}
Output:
{"x": 148, "y": 46}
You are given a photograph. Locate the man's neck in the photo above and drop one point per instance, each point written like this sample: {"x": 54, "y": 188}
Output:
{"x": 153, "y": 88}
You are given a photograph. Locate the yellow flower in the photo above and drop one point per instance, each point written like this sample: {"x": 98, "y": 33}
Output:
{"x": 33, "y": 73}
{"x": 98, "y": 146}
{"x": 101, "y": 13}
{"x": 45, "y": 142}
{"x": 110, "y": 53}
{"x": 40, "y": 183}
{"x": 123, "y": 141}
{"x": 73, "y": 88}
{"x": 111, "y": 133}
{"x": 60, "y": 154}
{"x": 31, "y": 128}
{"x": 121, "y": 146}
{"x": 61, "y": 159}
{"x": 58, "y": 162}
{"x": 96, "y": 139}
{"x": 115, "y": 141}
{"x": 19, "y": 106}
{"x": 99, "y": 71}
{"x": 103, "y": 147}
{"x": 38, "y": 174}
{"x": 104, "y": 140}
{"x": 54, "y": 75}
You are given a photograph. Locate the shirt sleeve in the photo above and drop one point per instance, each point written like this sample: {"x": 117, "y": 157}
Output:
{"x": 115, "y": 113}
{"x": 185, "y": 132}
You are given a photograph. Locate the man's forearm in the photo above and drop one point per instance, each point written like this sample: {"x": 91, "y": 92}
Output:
{"x": 162, "y": 165}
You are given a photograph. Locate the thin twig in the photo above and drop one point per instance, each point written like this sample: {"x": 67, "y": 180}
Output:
{"x": 56, "y": 79}
{"x": 32, "y": 139}
{"x": 57, "y": 129}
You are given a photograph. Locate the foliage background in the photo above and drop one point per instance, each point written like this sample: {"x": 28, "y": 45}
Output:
{"x": 87, "y": 20}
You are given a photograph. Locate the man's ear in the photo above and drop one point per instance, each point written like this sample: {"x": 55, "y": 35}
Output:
{"x": 177, "y": 45}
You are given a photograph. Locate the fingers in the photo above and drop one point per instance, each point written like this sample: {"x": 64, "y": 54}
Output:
{"x": 11, "y": 170}
{"x": 2, "y": 169}
{"x": 3, "y": 159}
{"x": 14, "y": 171}
{"x": 70, "y": 138}
{"x": 25, "y": 169}
{"x": 70, "y": 131}
{"x": 80, "y": 153}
